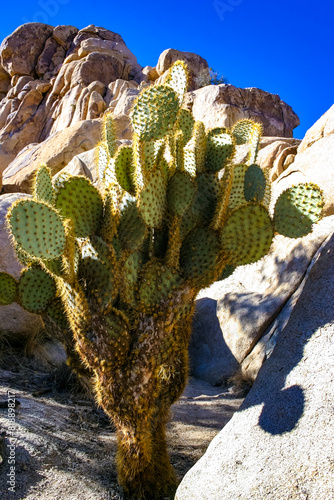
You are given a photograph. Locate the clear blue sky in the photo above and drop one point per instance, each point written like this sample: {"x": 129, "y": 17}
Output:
{"x": 284, "y": 47}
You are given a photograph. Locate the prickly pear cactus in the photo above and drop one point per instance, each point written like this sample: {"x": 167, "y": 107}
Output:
{"x": 125, "y": 262}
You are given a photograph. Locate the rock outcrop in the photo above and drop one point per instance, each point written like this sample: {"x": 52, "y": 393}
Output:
{"x": 280, "y": 444}
{"x": 51, "y": 78}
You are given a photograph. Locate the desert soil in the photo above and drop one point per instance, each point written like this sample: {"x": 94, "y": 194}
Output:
{"x": 65, "y": 446}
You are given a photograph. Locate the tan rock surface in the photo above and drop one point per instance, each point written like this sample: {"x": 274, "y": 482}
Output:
{"x": 223, "y": 105}
{"x": 56, "y": 152}
{"x": 20, "y": 51}
{"x": 322, "y": 128}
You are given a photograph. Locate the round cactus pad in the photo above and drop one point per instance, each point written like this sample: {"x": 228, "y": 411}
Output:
{"x": 297, "y": 209}
{"x": 36, "y": 289}
{"x": 199, "y": 254}
{"x": 132, "y": 228}
{"x": 155, "y": 112}
{"x": 177, "y": 79}
{"x": 247, "y": 234}
{"x": 80, "y": 201}
{"x": 185, "y": 122}
{"x": 124, "y": 168}
{"x": 8, "y": 287}
{"x": 37, "y": 228}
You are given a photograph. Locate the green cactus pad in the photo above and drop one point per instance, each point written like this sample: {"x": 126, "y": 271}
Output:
{"x": 205, "y": 201}
{"x": 247, "y": 235}
{"x": 237, "y": 191}
{"x": 131, "y": 229}
{"x": 152, "y": 200}
{"x": 177, "y": 79}
{"x": 124, "y": 168}
{"x": 154, "y": 112}
{"x": 248, "y": 132}
{"x": 8, "y": 289}
{"x": 36, "y": 289}
{"x": 297, "y": 209}
{"x": 37, "y": 229}
{"x": 157, "y": 282}
{"x": 219, "y": 149}
{"x": 185, "y": 122}
{"x": 96, "y": 269}
{"x": 254, "y": 184}
{"x": 43, "y": 189}
{"x": 80, "y": 201}
{"x": 131, "y": 269}
{"x": 189, "y": 160}
{"x": 109, "y": 134}
{"x": 180, "y": 192}
{"x": 199, "y": 140}
{"x": 199, "y": 253}
{"x": 102, "y": 159}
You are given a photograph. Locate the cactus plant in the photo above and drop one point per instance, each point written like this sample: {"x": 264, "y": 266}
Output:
{"x": 125, "y": 262}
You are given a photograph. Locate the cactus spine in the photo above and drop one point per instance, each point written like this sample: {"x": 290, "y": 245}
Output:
{"x": 126, "y": 263}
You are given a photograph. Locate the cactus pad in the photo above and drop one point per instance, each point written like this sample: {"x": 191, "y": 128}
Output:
{"x": 109, "y": 134}
{"x": 199, "y": 255}
{"x": 102, "y": 159}
{"x": 36, "y": 289}
{"x": 204, "y": 204}
{"x": 124, "y": 168}
{"x": 131, "y": 229}
{"x": 248, "y": 132}
{"x": 177, "y": 79}
{"x": 158, "y": 282}
{"x": 154, "y": 112}
{"x": 132, "y": 266}
{"x": 254, "y": 184}
{"x": 219, "y": 149}
{"x": 297, "y": 209}
{"x": 152, "y": 200}
{"x": 185, "y": 122}
{"x": 43, "y": 189}
{"x": 247, "y": 235}
{"x": 180, "y": 192}
{"x": 80, "y": 201}
{"x": 8, "y": 288}
{"x": 37, "y": 228}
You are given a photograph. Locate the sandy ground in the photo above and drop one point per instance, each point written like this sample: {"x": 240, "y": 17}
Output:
{"x": 65, "y": 446}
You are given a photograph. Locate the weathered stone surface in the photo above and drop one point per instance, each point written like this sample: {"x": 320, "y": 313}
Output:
{"x": 195, "y": 63}
{"x": 322, "y": 128}
{"x": 151, "y": 73}
{"x": 97, "y": 66}
{"x": 64, "y": 35}
{"x": 13, "y": 319}
{"x": 4, "y": 81}
{"x": 52, "y": 55}
{"x": 121, "y": 113}
{"x": 20, "y": 50}
{"x": 313, "y": 164}
{"x": 280, "y": 444}
{"x": 56, "y": 152}
{"x": 269, "y": 153}
{"x": 223, "y": 105}
{"x": 235, "y": 313}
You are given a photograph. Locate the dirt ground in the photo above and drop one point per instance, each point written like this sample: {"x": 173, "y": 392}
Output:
{"x": 64, "y": 446}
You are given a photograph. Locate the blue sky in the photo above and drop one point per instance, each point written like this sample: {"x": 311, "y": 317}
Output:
{"x": 284, "y": 47}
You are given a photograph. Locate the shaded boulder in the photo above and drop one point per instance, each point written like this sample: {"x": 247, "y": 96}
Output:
{"x": 233, "y": 315}
{"x": 280, "y": 444}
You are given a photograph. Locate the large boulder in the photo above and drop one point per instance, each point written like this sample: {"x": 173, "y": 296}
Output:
{"x": 57, "y": 151}
{"x": 14, "y": 321}
{"x": 280, "y": 444}
{"x": 19, "y": 52}
{"x": 314, "y": 161}
{"x": 195, "y": 64}
{"x": 223, "y": 105}
{"x": 233, "y": 316}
